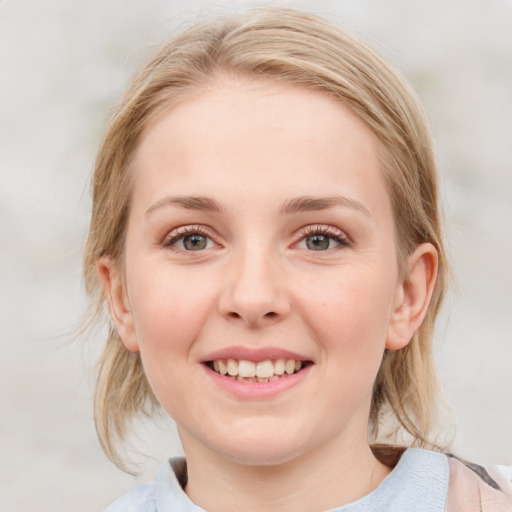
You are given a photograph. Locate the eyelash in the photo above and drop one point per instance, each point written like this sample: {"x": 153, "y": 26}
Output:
{"x": 328, "y": 231}
{"x": 177, "y": 234}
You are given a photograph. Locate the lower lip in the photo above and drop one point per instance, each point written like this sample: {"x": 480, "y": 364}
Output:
{"x": 257, "y": 390}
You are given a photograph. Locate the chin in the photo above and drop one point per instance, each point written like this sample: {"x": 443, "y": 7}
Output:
{"x": 262, "y": 451}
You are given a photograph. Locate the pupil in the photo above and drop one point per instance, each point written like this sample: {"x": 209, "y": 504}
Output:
{"x": 317, "y": 242}
{"x": 194, "y": 242}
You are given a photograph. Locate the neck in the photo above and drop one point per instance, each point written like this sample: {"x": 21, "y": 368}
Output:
{"x": 313, "y": 482}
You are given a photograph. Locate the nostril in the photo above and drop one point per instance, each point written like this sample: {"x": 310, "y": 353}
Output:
{"x": 253, "y": 319}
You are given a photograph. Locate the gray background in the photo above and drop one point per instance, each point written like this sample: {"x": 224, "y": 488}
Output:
{"x": 63, "y": 66}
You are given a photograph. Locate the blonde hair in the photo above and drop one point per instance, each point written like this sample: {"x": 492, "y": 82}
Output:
{"x": 301, "y": 49}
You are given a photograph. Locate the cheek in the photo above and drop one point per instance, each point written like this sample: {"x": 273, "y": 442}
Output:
{"x": 350, "y": 315}
{"x": 168, "y": 311}
{"x": 356, "y": 301}
{"x": 168, "y": 314}
{"x": 350, "y": 319}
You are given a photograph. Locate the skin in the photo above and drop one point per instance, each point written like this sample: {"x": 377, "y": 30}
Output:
{"x": 252, "y": 147}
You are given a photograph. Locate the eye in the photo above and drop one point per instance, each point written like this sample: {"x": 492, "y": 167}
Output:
{"x": 189, "y": 239}
{"x": 316, "y": 238}
{"x": 195, "y": 242}
{"x": 319, "y": 242}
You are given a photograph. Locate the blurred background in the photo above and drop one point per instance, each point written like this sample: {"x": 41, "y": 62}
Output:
{"x": 63, "y": 66}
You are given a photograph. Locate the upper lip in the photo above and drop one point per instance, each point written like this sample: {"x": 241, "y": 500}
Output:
{"x": 254, "y": 354}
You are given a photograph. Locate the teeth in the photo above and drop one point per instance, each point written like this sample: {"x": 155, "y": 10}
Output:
{"x": 289, "y": 367}
{"x": 279, "y": 367}
{"x": 262, "y": 371}
{"x": 232, "y": 367}
{"x": 223, "y": 369}
{"x": 246, "y": 368}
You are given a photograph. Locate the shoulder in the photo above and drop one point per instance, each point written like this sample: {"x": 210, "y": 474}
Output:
{"x": 418, "y": 481}
{"x": 442, "y": 482}
{"x": 477, "y": 488}
{"x": 138, "y": 499}
{"x": 165, "y": 494}
{"x": 469, "y": 487}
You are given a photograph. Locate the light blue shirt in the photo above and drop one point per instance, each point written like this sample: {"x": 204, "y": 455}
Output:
{"x": 419, "y": 482}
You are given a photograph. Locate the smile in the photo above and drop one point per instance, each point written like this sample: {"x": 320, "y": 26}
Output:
{"x": 261, "y": 371}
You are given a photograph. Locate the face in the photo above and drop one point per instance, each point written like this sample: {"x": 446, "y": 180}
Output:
{"x": 260, "y": 242}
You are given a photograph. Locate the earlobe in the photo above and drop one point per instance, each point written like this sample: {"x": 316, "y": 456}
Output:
{"x": 413, "y": 296}
{"x": 118, "y": 303}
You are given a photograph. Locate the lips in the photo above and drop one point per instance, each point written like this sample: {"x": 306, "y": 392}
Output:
{"x": 256, "y": 365}
{"x": 262, "y": 371}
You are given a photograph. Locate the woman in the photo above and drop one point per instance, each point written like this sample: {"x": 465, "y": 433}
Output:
{"x": 267, "y": 236}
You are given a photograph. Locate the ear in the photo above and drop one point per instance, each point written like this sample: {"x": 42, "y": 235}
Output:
{"x": 119, "y": 307}
{"x": 413, "y": 296}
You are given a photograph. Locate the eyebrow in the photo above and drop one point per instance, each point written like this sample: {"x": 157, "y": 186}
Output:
{"x": 204, "y": 204}
{"x": 295, "y": 205}
{"x": 308, "y": 204}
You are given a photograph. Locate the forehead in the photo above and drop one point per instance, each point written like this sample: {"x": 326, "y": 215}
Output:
{"x": 266, "y": 138}
{"x": 230, "y": 103}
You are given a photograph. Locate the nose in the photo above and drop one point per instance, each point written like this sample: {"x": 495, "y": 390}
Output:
{"x": 254, "y": 289}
